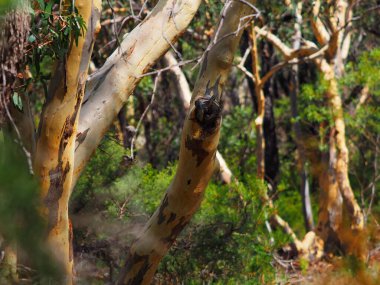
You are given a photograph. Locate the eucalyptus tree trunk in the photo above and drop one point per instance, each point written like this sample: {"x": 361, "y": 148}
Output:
{"x": 259, "y": 121}
{"x": 54, "y": 159}
{"x": 180, "y": 86}
{"x": 350, "y": 231}
{"x": 200, "y": 137}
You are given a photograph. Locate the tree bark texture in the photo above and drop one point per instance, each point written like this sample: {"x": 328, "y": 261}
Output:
{"x": 259, "y": 94}
{"x": 182, "y": 88}
{"x": 54, "y": 159}
{"x": 199, "y": 143}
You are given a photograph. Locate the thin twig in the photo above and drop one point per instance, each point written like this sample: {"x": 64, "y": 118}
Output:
{"x": 375, "y": 166}
{"x": 216, "y": 40}
{"x": 291, "y": 61}
{"x": 144, "y": 114}
{"x": 114, "y": 26}
{"x": 167, "y": 68}
{"x": 246, "y": 72}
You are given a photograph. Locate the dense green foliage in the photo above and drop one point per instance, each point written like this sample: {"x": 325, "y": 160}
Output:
{"x": 227, "y": 241}
{"x": 5, "y": 5}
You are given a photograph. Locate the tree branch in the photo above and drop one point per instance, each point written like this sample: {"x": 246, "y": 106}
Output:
{"x": 54, "y": 159}
{"x": 108, "y": 89}
{"x": 280, "y": 45}
{"x": 317, "y": 25}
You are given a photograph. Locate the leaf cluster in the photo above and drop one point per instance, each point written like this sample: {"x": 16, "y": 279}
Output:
{"x": 54, "y": 29}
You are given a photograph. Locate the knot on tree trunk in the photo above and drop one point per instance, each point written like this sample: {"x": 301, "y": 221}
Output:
{"x": 208, "y": 113}
{"x": 208, "y": 109}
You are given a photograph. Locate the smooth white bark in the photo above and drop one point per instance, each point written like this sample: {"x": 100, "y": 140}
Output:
{"x": 108, "y": 89}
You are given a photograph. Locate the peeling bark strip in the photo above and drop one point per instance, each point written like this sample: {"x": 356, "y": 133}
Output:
{"x": 200, "y": 138}
{"x": 57, "y": 177}
{"x": 176, "y": 230}
{"x": 54, "y": 157}
{"x": 171, "y": 218}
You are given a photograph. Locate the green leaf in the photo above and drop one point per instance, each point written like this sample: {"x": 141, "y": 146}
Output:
{"x": 31, "y": 38}
{"x": 17, "y": 101}
{"x": 41, "y": 3}
{"x": 48, "y": 7}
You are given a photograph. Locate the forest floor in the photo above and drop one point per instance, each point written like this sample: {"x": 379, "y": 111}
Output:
{"x": 335, "y": 271}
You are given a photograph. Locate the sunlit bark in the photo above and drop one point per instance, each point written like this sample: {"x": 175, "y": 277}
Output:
{"x": 200, "y": 137}
{"x": 260, "y": 142}
{"x": 54, "y": 159}
{"x": 342, "y": 160}
{"x": 182, "y": 88}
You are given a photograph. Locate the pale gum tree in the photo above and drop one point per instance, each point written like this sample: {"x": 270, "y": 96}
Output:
{"x": 54, "y": 155}
{"x": 197, "y": 158}
{"x": 180, "y": 86}
{"x": 331, "y": 171}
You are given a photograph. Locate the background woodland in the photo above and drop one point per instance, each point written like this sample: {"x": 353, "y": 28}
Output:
{"x": 293, "y": 199}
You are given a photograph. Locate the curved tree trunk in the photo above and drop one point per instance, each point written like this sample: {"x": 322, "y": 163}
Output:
{"x": 54, "y": 159}
{"x": 199, "y": 143}
{"x": 352, "y": 239}
{"x": 182, "y": 88}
